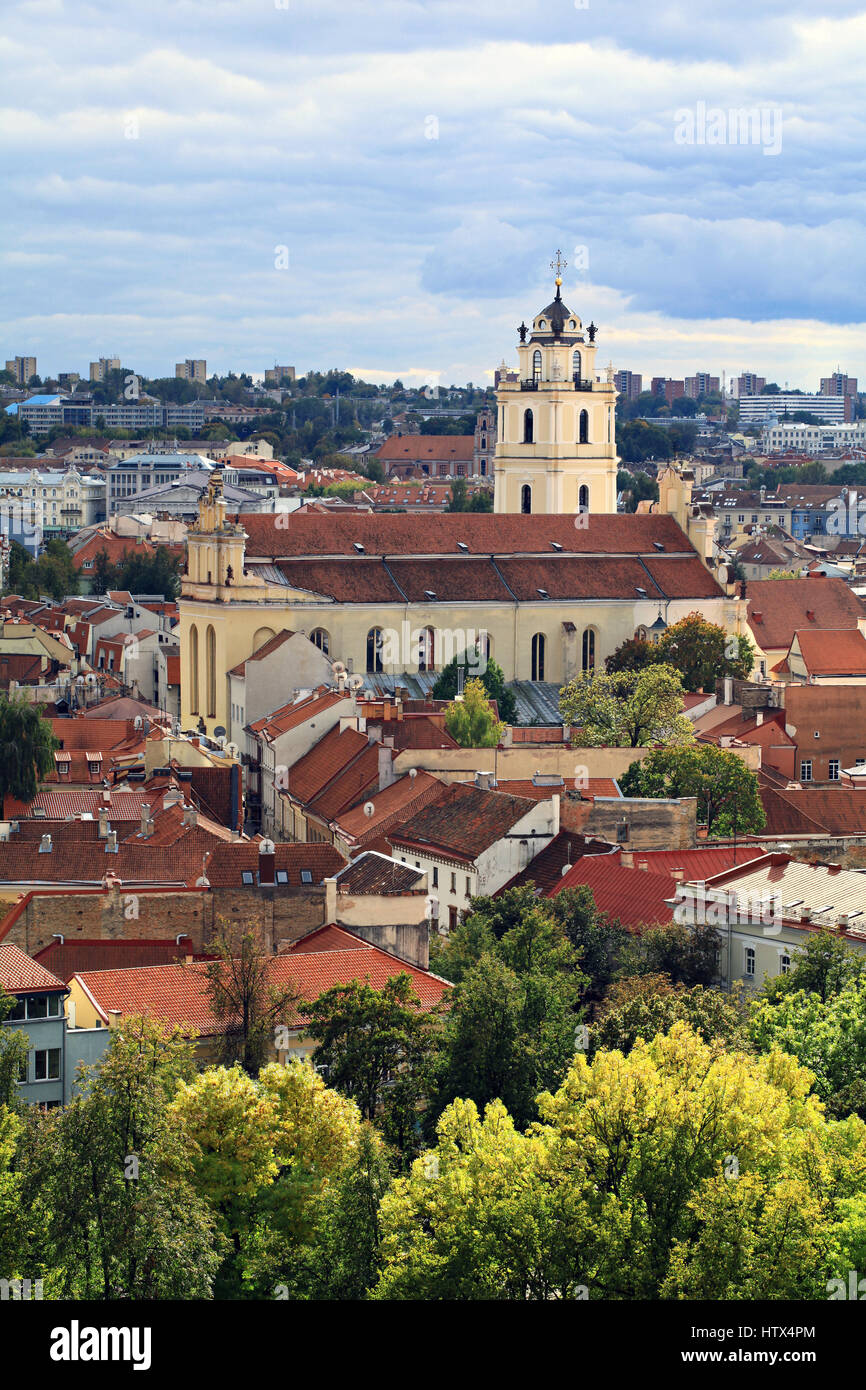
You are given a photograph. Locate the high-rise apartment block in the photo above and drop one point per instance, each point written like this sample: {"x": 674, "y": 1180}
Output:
{"x": 839, "y": 384}
{"x": 99, "y": 370}
{"x": 628, "y": 384}
{"x": 193, "y": 369}
{"x": 749, "y": 385}
{"x": 22, "y": 368}
{"x": 671, "y": 390}
{"x": 701, "y": 384}
{"x": 274, "y": 376}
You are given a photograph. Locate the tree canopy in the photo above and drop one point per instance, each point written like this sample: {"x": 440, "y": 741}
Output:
{"x": 627, "y": 709}
{"x": 729, "y": 800}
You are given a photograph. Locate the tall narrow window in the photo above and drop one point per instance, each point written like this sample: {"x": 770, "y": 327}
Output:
{"x": 374, "y": 650}
{"x": 584, "y": 427}
{"x": 575, "y": 368}
{"x": 193, "y": 669}
{"x": 211, "y": 673}
{"x": 321, "y": 639}
{"x": 427, "y": 650}
{"x": 583, "y": 498}
{"x": 536, "y": 365}
{"x": 588, "y": 650}
{"x": 538, "y": 643}
{"x": 527, "y": 427}
{"x": 526, "y": 499}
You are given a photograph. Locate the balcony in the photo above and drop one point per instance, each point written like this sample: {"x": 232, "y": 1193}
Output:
{"x": 529, "y": 385}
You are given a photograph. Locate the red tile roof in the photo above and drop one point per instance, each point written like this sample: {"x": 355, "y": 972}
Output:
{"x": 19, "y": 974}
{"x": 832, "y": 652}
{"x": 778, "y": 608}
{"x": 546, "y": 869}
{"x": 441, "y": 448}
{"x": 228, "y": 862}
{"x": 311, "y": 774}
{"x": 295, "y": 713}
{"x": 70, "y": 957}
{"x": 815, "y": 811}
{"x": 463, "y": 822}
{"x": 634, "y": 896}
{"x": 392, "y": 807}
{"x": 308, "y": 533}
{"x": 178, "y": 993}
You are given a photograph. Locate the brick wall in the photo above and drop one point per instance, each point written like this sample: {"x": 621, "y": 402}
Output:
{"x": 651, "y": 824}
{"x": 110, "y": 915}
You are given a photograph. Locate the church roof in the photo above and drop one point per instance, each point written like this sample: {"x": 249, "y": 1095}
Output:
{"x": 557, "y": 312}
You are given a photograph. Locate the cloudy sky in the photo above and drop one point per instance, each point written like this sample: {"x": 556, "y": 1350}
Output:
{"x": 380, "y": 184}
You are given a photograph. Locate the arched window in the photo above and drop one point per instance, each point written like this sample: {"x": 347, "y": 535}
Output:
{"x": 193, "y": 669}
{"x": 536, "y": 365}
{"x": 427, "y": 650}
{"x": 584, "y": 427}
{"x": 484, "y": 647}
{"x": 526, "y": 499}
{"x": 527, "y": 427}
{"x": 374, "y": 649}
{"x": 538, "y": 643}
{"x": 575, "y": 367}
{"x": 588, "y": 654}
{"x": 583, "y": 498}
{"x": 321, "y": 639}
{"x": 211, "y": 673}
{"x": 484, "y": 441}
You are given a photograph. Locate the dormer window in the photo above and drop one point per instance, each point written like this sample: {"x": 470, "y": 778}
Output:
{"x": 542, "y": 324}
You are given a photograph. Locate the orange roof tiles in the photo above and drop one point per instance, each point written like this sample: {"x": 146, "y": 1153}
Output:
{"x": 778, "y": 608}
{"x": 463, "y": 822}
{"x": 19, "y": 974}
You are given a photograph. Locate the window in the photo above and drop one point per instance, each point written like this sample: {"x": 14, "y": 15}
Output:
{"x": 750, "y": 961}
{"x": 527, "y": 427}
{"x": 321, "y": 639}
{"x": 434, "y": 882}
{"x": 46, "y": 1064}
{"x": 468, "y": 886}
{"x": 427, "y": 650}
{"x": 536, "y": 365}
{"x": 584, "y": 427}
{"x": 575, "y": 367}
{"x": 453, "y": 883}
{"x": 193, "y": 668}
{"x": 247, "y": 877}
{"x": 526, "y": 499}
{"x": 833, "y": 769}
{"x": 452, "y": 919}
{"x": 374, "y": 649}
{"x": 806, "y": 770}
{"x": 588, "y": 654}
{"x": 784, "y": 964}
{"x": 282, "y": 876}
{"x": 538, "y": 643}
{"x": 62, "y": 769}
{"x": 306, "y": 876}
{"x": 583, "y": 498}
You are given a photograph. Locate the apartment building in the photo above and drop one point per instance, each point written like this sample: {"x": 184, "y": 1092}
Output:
{"x": 748, "y": 384}
{"x": 701, "y": 384}
{"x": 22, "y": 368}
{"x": 839, "y": 384}
{"x": 100, "y": 368}
{"x": 274, "y": 376}
{"x": 759, "y": 410}
{"x": 192, "y": 369}
{"x": 628, "y": 384}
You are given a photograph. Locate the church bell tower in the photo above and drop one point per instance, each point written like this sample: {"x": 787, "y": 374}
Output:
{"x": 556, "y": 449}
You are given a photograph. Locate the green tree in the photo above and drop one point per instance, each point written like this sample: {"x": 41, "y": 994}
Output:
{"x": 14, "y": 1051}
{"x": 727, "y": 791}
{"x": 644, "y": 1013}
{"x": 628, "y": 709}
{"x": 377, "y": 1045}
{"x": 247, "y": 1005}
{"x": 470, "y": 720}
{"x": 27, "y": 745}
{"x": 635, "y": 654}
{"x": 107, "y": 1180}
{"x": 826, "y": 1035}
{"x": 492, "y": 678}
{"x": 703, "y": 652}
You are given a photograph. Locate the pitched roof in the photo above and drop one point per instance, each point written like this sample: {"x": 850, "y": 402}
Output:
{"x": 309, "y": 533}
{"x": 295, "y": 713}
{"x": 837, "y": 811}
{"x": 19, "y": 973}
{"x": 546, "y": 868}
{"x": 463, "y": 822}
{"x": 178, "y": 993}
{"x": 777, "y": 608}
{"x": 376, "y": 874}
{"x": 273, "y": 644}
{"x": 228, "y": 861}
{"x": 440, "y": 448}
{"x": 635, "y": 896}
{"x": 70, "y": 957}
{"x": 392, "y": 807}
{"x": 831, "y": 652}
{"x": 311, "y": 774}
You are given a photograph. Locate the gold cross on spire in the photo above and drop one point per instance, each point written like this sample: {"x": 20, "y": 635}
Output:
{"x": 558, "y": 264}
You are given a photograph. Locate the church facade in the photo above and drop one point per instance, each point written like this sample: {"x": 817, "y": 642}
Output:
{"x": 548, "y": 585}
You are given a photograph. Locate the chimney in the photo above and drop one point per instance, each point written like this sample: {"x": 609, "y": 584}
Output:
{"x": 103, "y": 823}
{"x": 626, "y": 859}
{"x": 482, "y": 780}
{"x": 759, "y": 717}
{"x": 146, "y": 821}
{"x": 190, "y": 816}
{"x": 267, "y": 861}
{"x": 386, "y": 764}
{"x": 729, "y": 690}
{"x": 678, "y": 874}
{"x": 643, "y": 864}
{"x": 111, "y": 842}
{"x": 45, "y": 844}
{"x": 330, "y": 901}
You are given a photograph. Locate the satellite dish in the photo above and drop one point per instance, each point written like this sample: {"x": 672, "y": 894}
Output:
{"x": 338, "y": 668}
{"x": 219, "y": 731}
{"x": 138, "y": 721}
{"x": 266, "y": 847}
{"x": 722, "y": 574}
{"x": 232, "y": 749}
{"x": 413, "y": 773}
{"x": 369, "y": 808}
